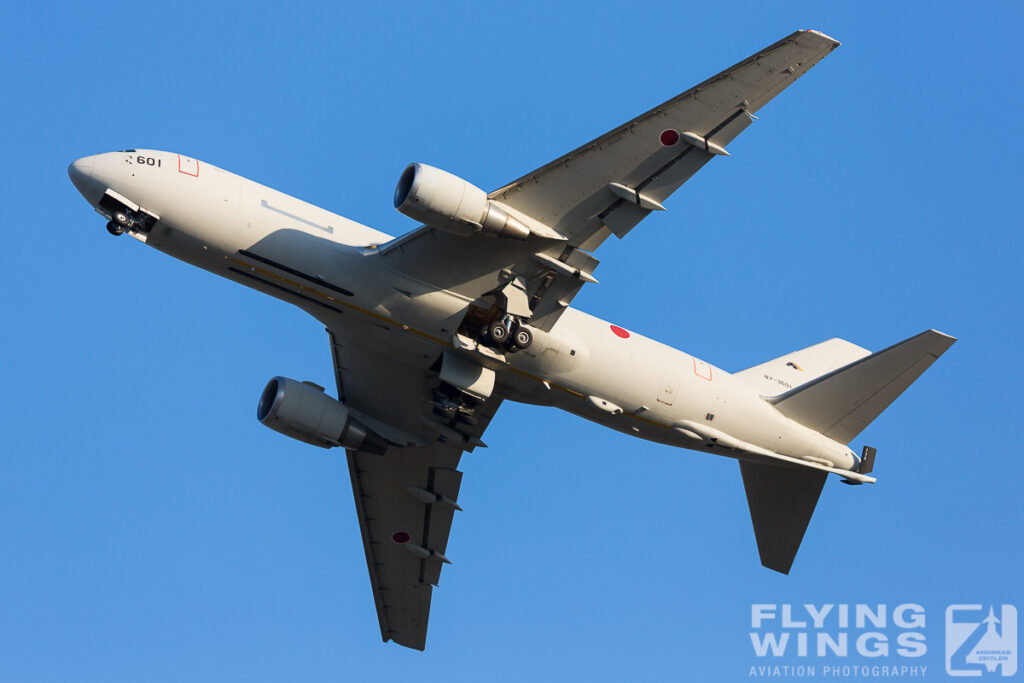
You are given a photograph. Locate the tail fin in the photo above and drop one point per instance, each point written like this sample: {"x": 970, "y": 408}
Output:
{"x": 841, "y": 403}
{"x": 781, "y": 501}
{"x": 799, "y": 367}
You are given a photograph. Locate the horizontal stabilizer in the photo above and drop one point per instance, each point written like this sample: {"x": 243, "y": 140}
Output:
{"x": 781, "y": 501}
{"x": 843, "y": 402}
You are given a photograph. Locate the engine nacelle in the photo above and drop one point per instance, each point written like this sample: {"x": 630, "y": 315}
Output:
{"x": 306, "y": 413}
{"x": 442, "y": 200}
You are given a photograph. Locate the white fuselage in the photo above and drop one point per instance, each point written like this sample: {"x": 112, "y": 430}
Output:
{"x": 331, "y": 267}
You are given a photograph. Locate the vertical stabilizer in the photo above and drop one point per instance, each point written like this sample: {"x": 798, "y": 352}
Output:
{"x": 800, "y": 367}
{"x": 845, "y": 401}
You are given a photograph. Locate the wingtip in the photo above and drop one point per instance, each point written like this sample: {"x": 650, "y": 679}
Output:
{"x": 947, "y": 336}
{"x": 835, "y": 43}
{"x": 945, "y": 340}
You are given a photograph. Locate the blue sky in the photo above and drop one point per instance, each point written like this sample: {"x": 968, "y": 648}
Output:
{"x": 152, "y": 530}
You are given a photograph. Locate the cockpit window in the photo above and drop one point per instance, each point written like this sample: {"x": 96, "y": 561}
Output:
{"x": 127, "y": 150}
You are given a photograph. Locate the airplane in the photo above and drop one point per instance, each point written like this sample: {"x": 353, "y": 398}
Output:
{"x": 431, "y": 331}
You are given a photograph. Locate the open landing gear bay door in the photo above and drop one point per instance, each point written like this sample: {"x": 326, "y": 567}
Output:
{"x": 406, "y": 499}
{"x": 606, "y": 186}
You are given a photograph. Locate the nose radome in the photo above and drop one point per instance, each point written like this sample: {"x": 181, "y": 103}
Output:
{"x": 81, "y": 169}
{"x": 80, "y": 172}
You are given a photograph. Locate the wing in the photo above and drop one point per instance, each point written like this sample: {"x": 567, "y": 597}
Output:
{"x": 610, "y": 184}
{"x": 405, "y": 539}
{"x": 607, "y": 186}
{"x": 406, "y": 498}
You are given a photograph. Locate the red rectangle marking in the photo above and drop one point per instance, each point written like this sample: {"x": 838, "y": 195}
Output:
{"x": 191, "y": 167}
{"x": 700, "y": 367}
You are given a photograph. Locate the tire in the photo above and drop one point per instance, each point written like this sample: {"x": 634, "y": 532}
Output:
{"x": 522, "y": 338}
{"x": 114, "y": 229}
{"x": 121, "y": 218}
{"x": 497, "y": 332}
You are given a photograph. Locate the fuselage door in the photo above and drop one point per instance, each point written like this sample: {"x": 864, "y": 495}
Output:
{"x": 669, "y": 389}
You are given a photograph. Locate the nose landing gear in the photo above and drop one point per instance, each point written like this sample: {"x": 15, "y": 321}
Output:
{"x": 120, "y": 221}
{"x": 126, "y": 216}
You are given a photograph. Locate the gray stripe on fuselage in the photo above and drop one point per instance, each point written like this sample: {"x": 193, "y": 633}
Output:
{"x": 327, "y": 228}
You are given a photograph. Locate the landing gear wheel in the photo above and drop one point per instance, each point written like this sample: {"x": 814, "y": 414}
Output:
{"x": 522, "y": 338}
{"x": 498, "y": 332}
{"x": 122, "y": 219}
{"x": 114, "y": 229}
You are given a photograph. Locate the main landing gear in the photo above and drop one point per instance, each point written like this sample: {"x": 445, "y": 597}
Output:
{"x": 508, "y": 332}
{"x": 456, "y": 408}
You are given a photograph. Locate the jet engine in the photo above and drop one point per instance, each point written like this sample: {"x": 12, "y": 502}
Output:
{"x": 304, "y": 412}
{"x": 442, "y": 200}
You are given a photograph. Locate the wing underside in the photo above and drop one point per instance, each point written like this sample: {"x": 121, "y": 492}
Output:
{"x": 406, "y": 498}
{"x": 405, "y": 538}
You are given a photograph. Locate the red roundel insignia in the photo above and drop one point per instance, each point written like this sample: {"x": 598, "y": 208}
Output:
{"x": 669, "y": 137}
{"x": 400, "y": 537}
{"x": 619, "y": 332}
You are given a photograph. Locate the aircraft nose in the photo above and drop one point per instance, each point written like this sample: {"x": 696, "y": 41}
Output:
{"x": 80, "y": 172}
